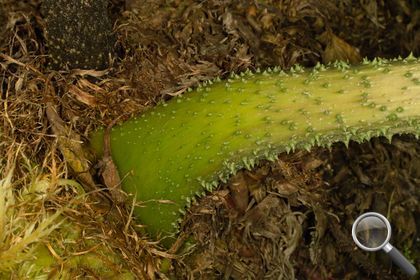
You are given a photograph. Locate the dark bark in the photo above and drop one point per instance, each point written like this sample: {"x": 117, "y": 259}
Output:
{"x": 3, "y": 22}
{"x": 78, "y": 33}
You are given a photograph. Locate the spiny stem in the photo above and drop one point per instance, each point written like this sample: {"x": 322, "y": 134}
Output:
{"x": 176, "y": 151}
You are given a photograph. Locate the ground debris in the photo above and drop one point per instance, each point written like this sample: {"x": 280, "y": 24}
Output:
{"x": 300, "y": 227}
{"x": 165, "y": 47}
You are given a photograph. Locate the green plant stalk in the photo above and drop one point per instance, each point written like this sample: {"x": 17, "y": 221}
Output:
{"x": 178, "y": 150}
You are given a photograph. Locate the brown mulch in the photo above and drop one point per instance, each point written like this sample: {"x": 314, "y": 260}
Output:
{"x": 292, "y": 219}
{"x": 165, "y": 47}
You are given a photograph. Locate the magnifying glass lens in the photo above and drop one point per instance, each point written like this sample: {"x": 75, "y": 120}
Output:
{"x": 371, "y": 232}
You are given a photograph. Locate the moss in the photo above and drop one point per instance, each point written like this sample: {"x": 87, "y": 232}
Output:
{"x": 39, "y": 242}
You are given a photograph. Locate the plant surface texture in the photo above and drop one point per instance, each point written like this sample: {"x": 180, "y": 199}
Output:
{"x": 178, "y": 150}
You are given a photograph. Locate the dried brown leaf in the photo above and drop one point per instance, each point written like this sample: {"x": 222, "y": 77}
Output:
{"x": 338, "y": 49}
{"x": 83, "y": 96}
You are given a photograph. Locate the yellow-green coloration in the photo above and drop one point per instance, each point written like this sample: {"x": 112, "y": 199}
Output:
{"x": 40, "y": 244}
{"x": 100, "y": 262}
{"x": 178, "y": 150}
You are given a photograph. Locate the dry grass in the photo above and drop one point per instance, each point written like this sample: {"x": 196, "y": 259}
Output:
{"x": 163, "y": 48}
{"x": 39, "y": 200}
{"x": 49, "y": 225}
{"x": 25, "y": 219}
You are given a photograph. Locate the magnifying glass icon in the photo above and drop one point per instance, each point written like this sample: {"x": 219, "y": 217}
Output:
{"x": 371, "y": 232}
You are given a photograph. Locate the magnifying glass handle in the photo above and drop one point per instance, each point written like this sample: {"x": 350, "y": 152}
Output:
{"x": 401, "y": 261}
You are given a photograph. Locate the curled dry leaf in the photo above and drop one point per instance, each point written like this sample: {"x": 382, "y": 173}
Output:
{"x": 239, "y": 192}
{"x": 285, "y": 188}
{"x": 89, "y": 72}
{"x": 82, "y": 96}
{"x": 337, "y": 49}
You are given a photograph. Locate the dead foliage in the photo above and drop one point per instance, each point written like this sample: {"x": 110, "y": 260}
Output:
{"x": 292, "y": 219}
{"x": 164, "y": 47}
{"x": 38, "y": 209}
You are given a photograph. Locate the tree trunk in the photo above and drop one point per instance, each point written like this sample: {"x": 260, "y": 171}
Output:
{"x": 78, "y": 33}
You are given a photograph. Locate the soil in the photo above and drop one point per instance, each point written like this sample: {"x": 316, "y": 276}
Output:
{"x": 285, "y": 220}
